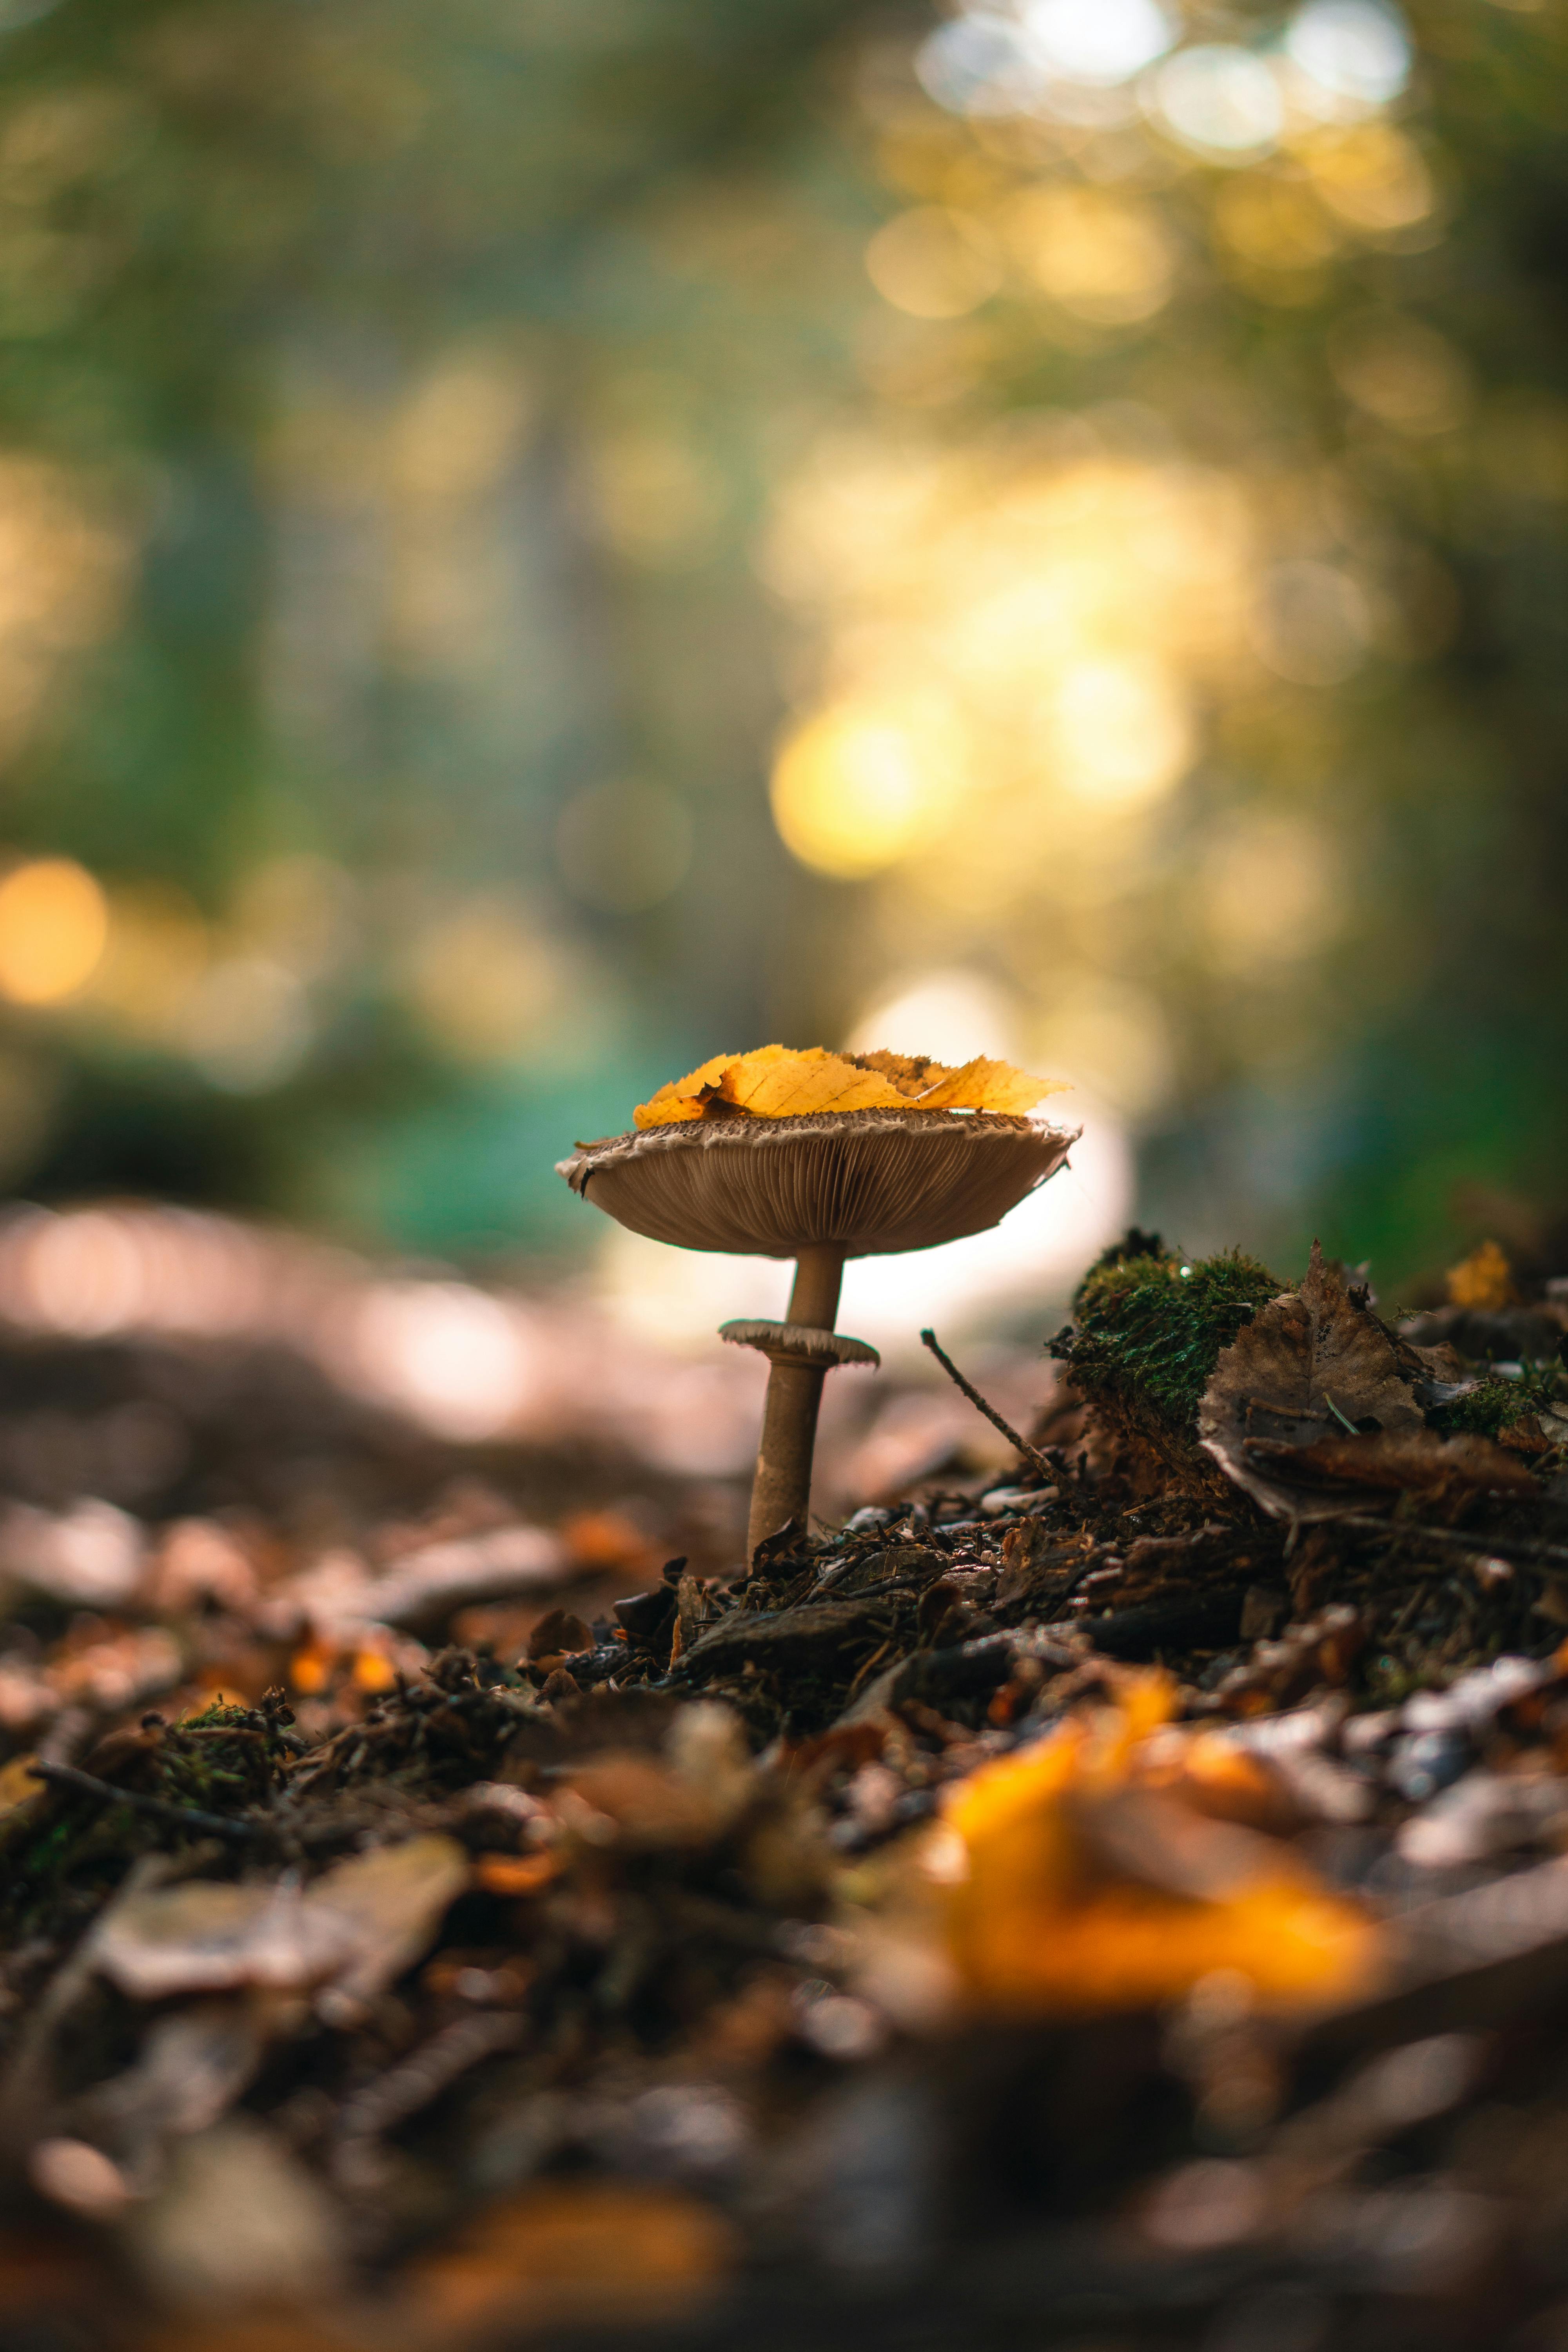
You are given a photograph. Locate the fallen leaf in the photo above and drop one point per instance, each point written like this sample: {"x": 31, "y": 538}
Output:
{"x": 1396, "y": 1460}
{"x": 1484, "y": 1280}
{"x": 778, "y": 1082}
{"x": 979, "y": 1085}
{"x": 388, "y": 1904}
{"x": 982, "y": 1084}
{"x": 560, "y": 1633}
{"x": 1314, "y": 1364}
{"x": 356, "y": 1927}
{"x": 687, "y": 1097}
{"x": 239, "y": 2223}
{"x": 17, "y": 1785}
{"x": 1086, "y": 1882}
{"x": 193, "y": 2064}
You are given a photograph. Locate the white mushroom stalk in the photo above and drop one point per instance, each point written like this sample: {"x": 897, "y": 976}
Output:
{"x": 819, "y": 1186}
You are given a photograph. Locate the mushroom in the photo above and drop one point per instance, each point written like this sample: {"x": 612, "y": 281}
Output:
{"x": 818, "y": 1187}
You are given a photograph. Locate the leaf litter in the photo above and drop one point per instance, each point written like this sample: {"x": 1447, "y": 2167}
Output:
{"x": 1135, "y": 1882}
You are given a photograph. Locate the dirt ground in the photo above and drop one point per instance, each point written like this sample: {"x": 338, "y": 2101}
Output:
{"x": 449, "y": 1900}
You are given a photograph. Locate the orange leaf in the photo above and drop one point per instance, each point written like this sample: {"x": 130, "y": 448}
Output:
{"x": 1484, "y": 1280}
{"x": 777, "y": 1082}
{"x": 516, "y": 1874}
{"x": 1085, "y": 1882}
{"x": 982, "y": 1084}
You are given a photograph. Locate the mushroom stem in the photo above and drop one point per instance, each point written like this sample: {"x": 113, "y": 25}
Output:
{"x": 782, "y": 1489}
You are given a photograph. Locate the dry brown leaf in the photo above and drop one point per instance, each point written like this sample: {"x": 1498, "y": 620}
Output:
{"x": 777, "y": 1082}
{"x": 561, "y": 1633}
{"x": 1397, "y": 1462}
{"x": 357, "y": 1927}
{"x": 1311, "y": 1365}
{"x": 193, "y": 2064}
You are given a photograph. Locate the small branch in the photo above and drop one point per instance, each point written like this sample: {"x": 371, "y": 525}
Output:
{"x": 1522, "y": 1548}
{"x": 1020, "y": 1444}
{"x": 158, "y": 1809}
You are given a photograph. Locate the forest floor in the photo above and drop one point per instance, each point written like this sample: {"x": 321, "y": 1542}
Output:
{"x": 1122, "y": 1902}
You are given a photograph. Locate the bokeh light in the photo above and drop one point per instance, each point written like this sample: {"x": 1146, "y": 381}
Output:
{"x": 1098, "y": 256}
{"x": 1402, "y": 373}
{"x": 859, "y": 787}
{"x": 246, "y": 1024}
{"x": 1311, "y": 623}
{"x": 1088, "y": 476}
{"x": 933, "y": 262}
{"x": 1220, "y": 100}
{"x": 1351, "y": 50}
{"x": 483, "y": 979}
{"x": 1096, "y": 40}
{"x": 54, "y": 924}
{"x": 1117, "y": 731}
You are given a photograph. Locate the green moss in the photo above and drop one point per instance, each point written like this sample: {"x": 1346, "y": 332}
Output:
{"x": 1149, "y": 1325}
{"x": 1494, "y": 1405}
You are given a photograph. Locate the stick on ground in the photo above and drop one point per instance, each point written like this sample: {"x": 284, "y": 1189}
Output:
{"x": 1021, "y": 1444}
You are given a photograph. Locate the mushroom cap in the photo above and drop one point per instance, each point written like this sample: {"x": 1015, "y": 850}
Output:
{"x": 866, "y": 1182}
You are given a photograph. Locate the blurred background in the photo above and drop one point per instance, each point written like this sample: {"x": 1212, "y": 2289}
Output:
{"x": 542, "y": 539}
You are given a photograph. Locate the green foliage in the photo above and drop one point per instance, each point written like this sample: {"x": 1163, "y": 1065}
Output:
{"x": 1151, "y": 1326}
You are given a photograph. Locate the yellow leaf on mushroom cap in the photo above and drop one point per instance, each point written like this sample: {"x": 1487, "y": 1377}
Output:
{"x": 1086, "y": 1877}
{"x": 778, "y": 1082}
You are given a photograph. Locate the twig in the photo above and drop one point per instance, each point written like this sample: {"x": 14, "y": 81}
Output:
{"x": 1524, "y": 1547}
{"x": 159, "y": 1808}
{"x": 1020, "y": 1444}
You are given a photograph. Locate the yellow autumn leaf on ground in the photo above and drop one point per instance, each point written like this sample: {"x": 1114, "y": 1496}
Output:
{"x": 1483, "y": 1280}
{"x": 1080, "y": 1880}
{"x": 779, "y": 1082}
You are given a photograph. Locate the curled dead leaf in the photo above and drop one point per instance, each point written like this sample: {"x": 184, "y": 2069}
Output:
{"x": 1313, "y": 1365}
